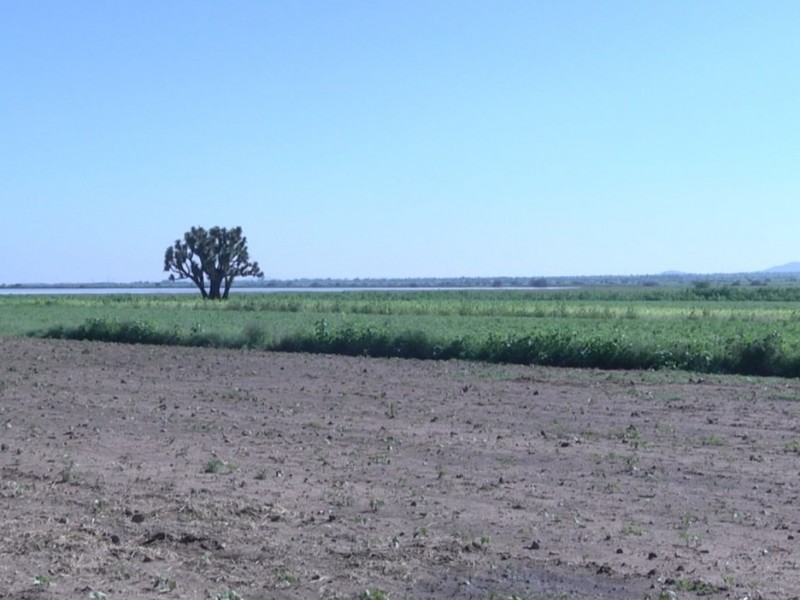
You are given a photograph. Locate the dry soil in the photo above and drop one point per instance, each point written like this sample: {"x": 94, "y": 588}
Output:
{"x": 155, "y": 472}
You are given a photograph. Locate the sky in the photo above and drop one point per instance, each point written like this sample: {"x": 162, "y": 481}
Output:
{"x": 400, "y": 138}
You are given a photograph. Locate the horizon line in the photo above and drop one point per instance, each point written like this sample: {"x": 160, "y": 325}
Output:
{"x": 270, "y": 281}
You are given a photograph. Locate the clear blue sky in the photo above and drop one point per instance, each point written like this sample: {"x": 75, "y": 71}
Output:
{"x": 399, "y": 138}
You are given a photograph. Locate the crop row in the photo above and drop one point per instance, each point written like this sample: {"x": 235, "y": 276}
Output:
{"x": 561, "y": 329}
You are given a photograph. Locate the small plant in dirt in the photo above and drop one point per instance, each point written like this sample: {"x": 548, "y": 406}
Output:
{"x": 701, "y": 588}
{"x": 227, "y": 595}
{"x": 630, "y": 465}
{"x": 375, "y": 504}
{"x": 692, "y": 540}
{"x": 213, "y": 466}
{"x": 69, "y": 474}
{"x": 713, "y": 440}
{"x": 632, "y": 437}
{"x": 43, "y": 581}
{"x": 379, "y": 459}
{"x": 793, "y": 446}
{"x": 285, "y": 579}
{"x": 629, "y": 529}
{"x": 98, "y": 506}
{"x": 164, "y": 585}
{"x": 216, "y": 465}
{"x": 374, "y": 594}
{"x": 391, "y": 412}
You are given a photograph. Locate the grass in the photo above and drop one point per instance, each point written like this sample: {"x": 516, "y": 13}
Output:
{"x": 751, "y": 331}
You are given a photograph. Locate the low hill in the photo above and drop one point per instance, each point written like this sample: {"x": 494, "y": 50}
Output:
{"x": 792, "y": 267}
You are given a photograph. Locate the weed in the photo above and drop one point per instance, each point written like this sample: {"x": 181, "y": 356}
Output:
{"x": 286, "y": 579}
{"x": 164, "y": 585}
{"x": 213, "y": 466}
{"x": 629, "y": 529}
{"x": 713, "y": 440}
{"x": 98, "y": 506}
{"x": 378, "y": 459}
{"x": 692, "y": 540}
{"x": 375, "y": 504}
{"x": 793, "y": 446}
{"x": 630, "y": 464}
{"x": 43, "y": 581}
{"x": 227, "y": 595}
{"x": 216, "y": 465}
{"x": 632, "y": 437}
{"x": 701, "y": 588}
{"x": 69, "y": 474}
{"x": 374, "y": 594}
{"x": 392, "y": 412}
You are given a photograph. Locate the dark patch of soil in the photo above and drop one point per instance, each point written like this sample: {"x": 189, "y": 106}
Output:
{"x": 135, "y": 471}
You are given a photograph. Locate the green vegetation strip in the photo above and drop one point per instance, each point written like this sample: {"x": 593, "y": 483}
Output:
{"x": 754, "y": 331}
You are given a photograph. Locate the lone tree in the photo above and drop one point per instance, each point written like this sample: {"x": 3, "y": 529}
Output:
{"x": 218, "y": 254}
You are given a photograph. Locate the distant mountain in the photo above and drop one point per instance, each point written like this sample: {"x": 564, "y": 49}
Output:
{"x": 792, "y": 267}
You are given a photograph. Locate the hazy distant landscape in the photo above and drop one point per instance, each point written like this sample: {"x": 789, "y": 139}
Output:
{"x": 788, "y": 273}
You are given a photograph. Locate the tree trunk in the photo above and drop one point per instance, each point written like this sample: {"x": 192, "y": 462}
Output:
{"x": 215, "y": 285}
{"x": 199, "y": 279}
{"x": 228, "y": 282}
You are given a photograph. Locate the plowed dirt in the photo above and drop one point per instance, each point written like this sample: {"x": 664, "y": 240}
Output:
{"x": 145, "y": 472}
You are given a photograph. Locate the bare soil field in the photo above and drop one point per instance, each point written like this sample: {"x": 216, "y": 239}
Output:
{"x": 150, "y": 472}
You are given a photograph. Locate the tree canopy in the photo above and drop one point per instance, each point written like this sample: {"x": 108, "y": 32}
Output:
{"x": 217, "y": 256}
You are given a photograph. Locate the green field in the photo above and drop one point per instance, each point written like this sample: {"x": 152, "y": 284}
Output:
{"x": 748, "y": 330}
